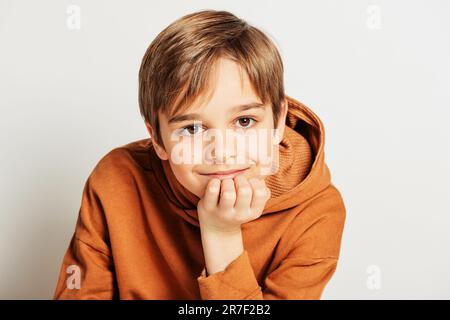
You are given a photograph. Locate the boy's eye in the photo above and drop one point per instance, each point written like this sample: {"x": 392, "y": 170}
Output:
{"x": 244, "y": 122}
{"x": 189, "y": 130}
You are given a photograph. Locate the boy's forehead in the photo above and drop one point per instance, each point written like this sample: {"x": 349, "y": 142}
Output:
{"x": 229, "y": 90}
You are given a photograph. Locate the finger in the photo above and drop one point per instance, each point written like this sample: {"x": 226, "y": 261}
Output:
{"x": 261, "y": 194}
{"x": 211, "y": 196}
{"x": 227, "y": 195}
{"x": 243, "y": 193}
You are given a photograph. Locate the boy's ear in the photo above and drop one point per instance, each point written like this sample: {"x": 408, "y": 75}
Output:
{"x": 281, "y": 124}
{"x": 160, "y": 151}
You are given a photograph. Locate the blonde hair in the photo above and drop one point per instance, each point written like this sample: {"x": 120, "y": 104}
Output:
{"x": 176, "y": 67}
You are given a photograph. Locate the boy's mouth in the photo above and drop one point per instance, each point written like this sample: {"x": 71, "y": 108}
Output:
{"x": 224, "y": 174}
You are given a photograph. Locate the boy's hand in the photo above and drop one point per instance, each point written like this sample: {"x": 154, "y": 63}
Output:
{"x": 228, "y": 203}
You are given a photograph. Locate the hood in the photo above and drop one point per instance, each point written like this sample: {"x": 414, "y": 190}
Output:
{"x": 302, "y": 170}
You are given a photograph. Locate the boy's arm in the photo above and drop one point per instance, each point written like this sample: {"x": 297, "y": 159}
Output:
{"x": 220, "y": 248}
{"x": 87, "y": 267}
{"x": 304, "y": 272}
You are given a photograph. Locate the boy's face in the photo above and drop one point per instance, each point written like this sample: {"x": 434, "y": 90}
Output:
{"x": 221, "y": 136}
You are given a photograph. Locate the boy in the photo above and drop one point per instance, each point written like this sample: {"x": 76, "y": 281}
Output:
{"x": 162, "y": 218}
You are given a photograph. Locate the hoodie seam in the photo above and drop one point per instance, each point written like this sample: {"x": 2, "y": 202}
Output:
{"x": 92, "y": 247}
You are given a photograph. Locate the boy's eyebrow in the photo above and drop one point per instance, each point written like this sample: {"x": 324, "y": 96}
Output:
{"x": 238, "y": 108}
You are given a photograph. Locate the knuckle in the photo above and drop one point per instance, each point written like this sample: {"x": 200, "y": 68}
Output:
{"x": 228, "y": 194}
{"x": 245, "y": 191}
{"x": 260, "y": 192}
{"x": 212, "y": 189}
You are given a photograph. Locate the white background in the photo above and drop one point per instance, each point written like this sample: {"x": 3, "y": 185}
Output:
{"x": 376, "y": 72}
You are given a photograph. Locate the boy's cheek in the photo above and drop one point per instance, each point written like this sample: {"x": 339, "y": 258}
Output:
{"x": 255, "y": 171}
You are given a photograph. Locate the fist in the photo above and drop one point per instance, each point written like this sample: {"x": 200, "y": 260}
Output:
{"x": 228, "y": 203}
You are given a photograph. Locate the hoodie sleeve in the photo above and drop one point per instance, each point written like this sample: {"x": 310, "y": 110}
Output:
{"x": 87, "y": 267}
{"x": 305, "y": 270}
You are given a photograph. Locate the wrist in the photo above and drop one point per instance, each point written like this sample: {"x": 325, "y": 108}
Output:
{"x": 220, "y": 231}
{"x": 220, "y": 248}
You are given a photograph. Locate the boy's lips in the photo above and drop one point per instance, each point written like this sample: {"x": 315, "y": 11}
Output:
{"x": 224, "y": 174}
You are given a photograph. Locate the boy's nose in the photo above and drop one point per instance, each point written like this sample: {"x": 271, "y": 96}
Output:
{"x": 223, "y": 150}
{"x": 222, "y": 158}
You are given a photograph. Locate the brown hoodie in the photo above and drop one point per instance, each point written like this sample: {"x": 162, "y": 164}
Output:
{"x": 137, "y": 235}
